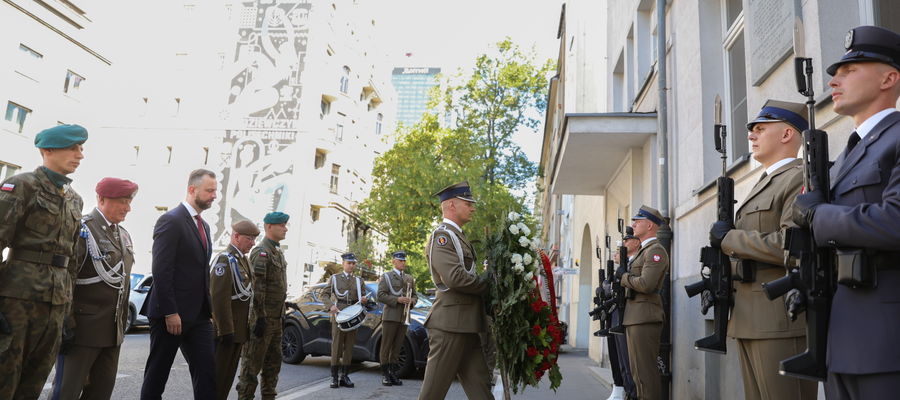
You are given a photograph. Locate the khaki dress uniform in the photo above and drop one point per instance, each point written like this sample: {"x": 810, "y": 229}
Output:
{"x": 644, "y": 316}
{"x": 40, "y": 218}
{"x": 342, "y": 294}
{"x": 269, "y": 293}
{"x": 394, "y": 284}
{"x": 99, "y": 311}
{"x": 456, "y": 319}
{"x": 764, "y": 332}
{"x": 231, "y": 291}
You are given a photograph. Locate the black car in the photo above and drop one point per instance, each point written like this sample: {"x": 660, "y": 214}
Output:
{"x": 307, "y": 331}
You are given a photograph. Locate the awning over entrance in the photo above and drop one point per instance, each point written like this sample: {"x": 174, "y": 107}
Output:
{"x": 593, "y": 147}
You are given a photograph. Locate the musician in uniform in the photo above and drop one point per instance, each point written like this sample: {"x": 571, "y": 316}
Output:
{"x": 764, "y": 332}
{"x": 262, "y": 353}
{"x": 39, "y": 224}
{"x": 397, "y": 291}
{"x": 457, "y": 317}
{"x": 644, "y": 314}
{"x": 346, "y": 289}
{"x": 231, "y": 290}
{"x": 861, "y": 220}
{"x": 88, "y": 360}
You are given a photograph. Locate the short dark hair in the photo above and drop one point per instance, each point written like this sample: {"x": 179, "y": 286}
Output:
{"x": 197, "y": 176}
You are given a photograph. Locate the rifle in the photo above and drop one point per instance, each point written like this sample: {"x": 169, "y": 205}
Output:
{"x": 602, "y": 309}
{"x": 815, "y": 278}
{"x": 716, "y": 270}
{"x": 618, "y": 299}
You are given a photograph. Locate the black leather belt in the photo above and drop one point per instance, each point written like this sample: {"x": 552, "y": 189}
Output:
{"x": 39, "y": 257}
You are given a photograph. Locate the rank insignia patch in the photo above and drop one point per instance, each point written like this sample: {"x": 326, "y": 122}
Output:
{"x": 656, "y": 258}
{"x": 220, "y": 270}
{"x": 7, "y": 187}
{"x": 441, "y": 240}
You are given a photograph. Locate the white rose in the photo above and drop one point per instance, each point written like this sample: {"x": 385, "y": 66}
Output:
{"x": 524, "y": 229}
{"x": 524, "y": 242}
{"x": 513, "y": 216}
{"x": 529, "y": 276}
{"x": 518, "y": 267}
{"x": 532, "y": 283}
{"x": 516, "y": 258}
{"x": 535, "y": 244}
{"x": 514, "y": 229}
{"x": 526, "y": 259}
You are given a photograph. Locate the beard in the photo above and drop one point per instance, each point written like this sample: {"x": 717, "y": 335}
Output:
{"x": 203, "y": 205}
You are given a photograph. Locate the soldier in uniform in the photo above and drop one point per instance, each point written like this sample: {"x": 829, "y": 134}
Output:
{"x": 457, "y": 317}
{"x": 617, "y": 343}
{"x": 39, "y": 223}
{"x": 644, "y": 314}
{"x": 230, "y": 282}
{"x": 345, "y": 290}
{"x": 764, "y": 332}
{"x": 396, "y": 290}
{"x": 263, "y": 351}
{"x": 88, "y": 360}
{"x": 861, "y": 220}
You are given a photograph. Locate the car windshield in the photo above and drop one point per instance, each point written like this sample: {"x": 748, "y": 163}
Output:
{"x": 135, "y": 278}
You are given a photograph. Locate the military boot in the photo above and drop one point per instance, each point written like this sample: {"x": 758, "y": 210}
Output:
{"x": 345, "y": 379}
{"x": 386, "y": 378}
{"x": 334, "y": 376}
{"x": 395, "y": 378}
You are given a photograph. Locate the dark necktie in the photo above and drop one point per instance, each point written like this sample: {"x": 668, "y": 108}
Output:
{"x": 763, "y": 176}
{"x": 202, "y": 231}
{"x": 115, "y": 232}
{"x": 852, "y": 141}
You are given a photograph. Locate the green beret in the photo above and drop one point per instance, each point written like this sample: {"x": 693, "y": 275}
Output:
{"x": 276, "y": 217}
{"x": 60, "y": 137}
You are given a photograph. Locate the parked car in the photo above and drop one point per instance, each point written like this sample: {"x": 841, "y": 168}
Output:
{"x": 307, "y": 331}
{"x": 140, "y": 286}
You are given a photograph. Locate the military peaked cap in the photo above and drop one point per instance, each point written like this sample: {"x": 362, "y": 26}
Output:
{"x": 460, "y": 191}
{"x": 870, "y": 43}
{"x": 649, "y": 213}
{"x": 782, "y": 111}
{"x": 349, "y": 257}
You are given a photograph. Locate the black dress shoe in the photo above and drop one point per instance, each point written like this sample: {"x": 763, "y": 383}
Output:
{"x": 345, "y": 379}
{"x": 334, "y": 376}
{"x": 386, "y": 378}
{"x": 395, "y": 380}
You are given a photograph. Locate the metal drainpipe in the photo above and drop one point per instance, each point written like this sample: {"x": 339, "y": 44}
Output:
{"x": 665, "y": 232}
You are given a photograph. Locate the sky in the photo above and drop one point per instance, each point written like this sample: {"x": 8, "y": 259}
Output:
{"x": 450, "y": 34}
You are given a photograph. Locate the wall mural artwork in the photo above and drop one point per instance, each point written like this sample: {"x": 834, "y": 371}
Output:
{"x": 263, "y": 107}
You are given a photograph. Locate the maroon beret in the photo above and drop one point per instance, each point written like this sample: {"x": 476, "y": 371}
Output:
{"x": 113, "y": 188}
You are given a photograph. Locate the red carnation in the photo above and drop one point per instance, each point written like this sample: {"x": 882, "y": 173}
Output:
{"x": 531, "y": 352}
{"x": 536, "y": 306}
{"x": 536, "y": 330}
{"x": 538, "y": 374}
{"x": 546, "y": 353}
{"x": 553, "y": 347}
{"x": 545, "y": 366}
{"x": 553, "y": 319}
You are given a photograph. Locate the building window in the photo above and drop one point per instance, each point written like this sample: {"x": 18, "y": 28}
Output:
{"x": 320, "y": 158}
{"x": 7, "y": 170}
{"x": 73, "y": 82}
{"x": 169, "y": 158}
{"x": 335, "y": 171}
{"x": 314, "y": 213}
{"x": 345, "y": 80}
{"x": 325, "y": 107}
{"x": 378, "y": 121}
{"x": 137, "y": 154}
{"x": 205, "y": 155}
{"x": 339, "y": 133}
{"x": 736, "y": 76}
{"x": 30, "y": 52}
{"x": 17, "y": 114}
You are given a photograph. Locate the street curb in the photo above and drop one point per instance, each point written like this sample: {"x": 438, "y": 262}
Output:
{"x": 604, "y": 375}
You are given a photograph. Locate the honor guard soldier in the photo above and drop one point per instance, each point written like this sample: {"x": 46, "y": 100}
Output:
{"x": 231, "y": 290}
{"x": 262, "y": 354}
{"x": 618, "y": 346}
{"x": 457, "y": 317}
{"x": 345, "y": 289}
{"x": 764, "y": 332}
{"x": 644, "y": 314}
{"x": 40, "y": 220}
{"x": 397, "y": 291}
{"x": 862, "y": 220}
{"x": 88, "y": 360}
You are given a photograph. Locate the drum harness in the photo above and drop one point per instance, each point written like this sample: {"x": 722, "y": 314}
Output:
{"x": 456, "y": 244}
{"x": 346, "y": 293}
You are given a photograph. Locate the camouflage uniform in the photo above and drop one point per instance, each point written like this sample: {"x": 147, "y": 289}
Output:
{"x": 39, "y": 223}
{"x": 269, "y": 293}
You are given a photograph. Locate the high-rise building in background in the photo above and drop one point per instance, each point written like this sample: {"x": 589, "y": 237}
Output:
{"x": 413, "y": 85}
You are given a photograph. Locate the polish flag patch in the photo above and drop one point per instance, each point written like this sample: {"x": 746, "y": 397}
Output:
{"x": 263, "y": 254}
{"x": 656, "y": 258}
{"x": 7, "y": 187}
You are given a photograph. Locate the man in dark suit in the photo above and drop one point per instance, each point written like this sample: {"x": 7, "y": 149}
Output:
{"x": 861, "y": 221}
{"x": 178, "y": 306}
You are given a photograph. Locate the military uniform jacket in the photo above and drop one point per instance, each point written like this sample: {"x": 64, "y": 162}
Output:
{"x": 458, "y": 305}
{"x": 759, "y": 236}
{"x": 644, "y": 278}
{"x": 39, "y": 220}
{"x": 865, "y": 213}
{"x": 100, "y": 307}
{"x": 342, "y": 290}
{"x": 392, "y": 286}
{"x": 269, "y": 280}
{"x": 231, "y": 291}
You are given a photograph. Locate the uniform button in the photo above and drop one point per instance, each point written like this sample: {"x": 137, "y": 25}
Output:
{"x": 854, "y": 181}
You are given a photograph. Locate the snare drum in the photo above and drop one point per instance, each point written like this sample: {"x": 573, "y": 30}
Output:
{"x": 350, "y": 318}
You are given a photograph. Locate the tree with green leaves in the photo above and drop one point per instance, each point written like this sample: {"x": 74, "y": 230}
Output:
{"x": 503, "y": 94}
